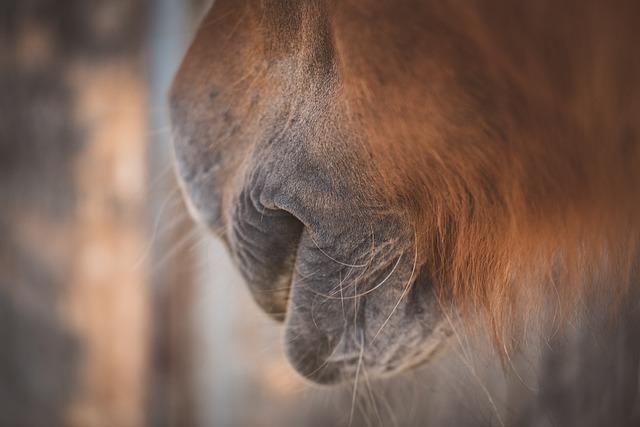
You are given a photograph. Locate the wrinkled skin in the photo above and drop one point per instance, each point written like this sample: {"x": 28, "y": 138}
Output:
{"x": 279, "y": 110}
{"x": 269, "y": 166}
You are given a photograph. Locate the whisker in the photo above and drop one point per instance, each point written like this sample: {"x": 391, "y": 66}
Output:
{"x": 344, "y": 313}
{"x": 177, "y": 247}
{"x": 355, "y": 383}
{"x": 372, "y": 289}
{"x": 335, "y": 260}
{"x": 155, "y": 230}
{"x": 467, "y": 362}
{"x": 387, "y": 404}
{"x": 404, "y": 291}
{"x": 335, "y": 290}
{"x": 372, "y": 398}
{"x": 160, "y": 177}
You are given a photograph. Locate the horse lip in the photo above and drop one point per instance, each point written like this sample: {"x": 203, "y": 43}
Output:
{"x": 337, "y": 370}
{"x": 344, "y": 358}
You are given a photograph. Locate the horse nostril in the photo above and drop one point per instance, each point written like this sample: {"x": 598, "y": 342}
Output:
{"x": 264, "y": 243}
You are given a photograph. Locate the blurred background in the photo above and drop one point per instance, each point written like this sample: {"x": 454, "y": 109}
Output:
{"x": 115, "y": 310}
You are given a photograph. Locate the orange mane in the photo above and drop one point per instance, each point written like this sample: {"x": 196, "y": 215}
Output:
{"x": 525, "y": 181}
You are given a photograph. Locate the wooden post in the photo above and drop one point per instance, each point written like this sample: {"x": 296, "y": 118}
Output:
{"x": 73, "y": 296}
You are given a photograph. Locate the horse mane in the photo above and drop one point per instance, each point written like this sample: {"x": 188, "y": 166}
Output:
{"x": 524, "y": 183}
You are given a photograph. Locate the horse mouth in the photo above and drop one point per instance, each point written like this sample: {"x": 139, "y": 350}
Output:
{"x": 372, "y": 361}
